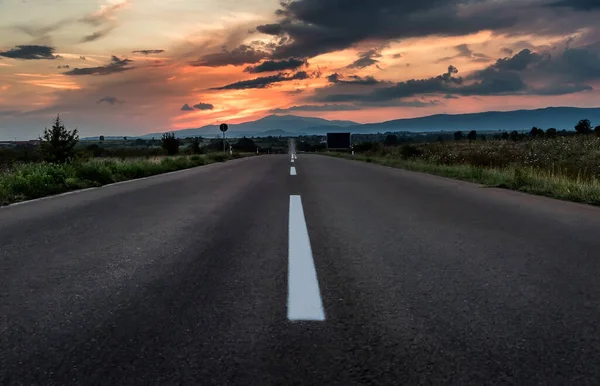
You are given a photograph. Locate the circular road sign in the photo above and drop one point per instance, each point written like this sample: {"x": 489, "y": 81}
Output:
{"x": 223, "y": 127}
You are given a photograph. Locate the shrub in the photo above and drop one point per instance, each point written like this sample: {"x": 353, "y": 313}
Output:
{"x": 218, "y": 157}
{"x": 170, "y": 144}
{"x": 410, "y": 151}
{"x": 95, "y": 172}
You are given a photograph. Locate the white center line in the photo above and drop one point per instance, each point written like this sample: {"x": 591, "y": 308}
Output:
{"x": 292, "y": 171}
{"x": 304, "y": 296}
{"x": 292, "y": 160}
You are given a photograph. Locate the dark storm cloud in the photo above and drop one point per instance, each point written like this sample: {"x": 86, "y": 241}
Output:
{"x": 111, "y": 100}
{"x": 366, "y": 59}
{"x": 312, "y": 27}
{"x": 525, "y": 73}
{"x": 584, "y": 5}
{"x": 276, "y": 65}
{"x": 116, "y": 65}
{"x": 264, "y": 81}
{"x": 507, "y": 51}
{"x": 519, "y": 62}
{"x": 410, "y": 88}
{"x": 203, "y": 106}
{"x": 30, "y": 52}
{"x": 65, "y": 66}
{"x": 241, "y": 55}
{"x": 186, "y": 107}
{"x": 148, "y": 52}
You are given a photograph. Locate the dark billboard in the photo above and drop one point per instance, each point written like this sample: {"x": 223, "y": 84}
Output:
{"x": 338, "y": 140}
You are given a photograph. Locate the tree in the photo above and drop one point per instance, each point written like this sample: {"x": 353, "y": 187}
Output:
{"x": 195, "y": 145}
{"x": 170, "y": 144}
{"x": 505, "y": 136}
{"x": 124, "y": 138}
{"x": 535, "y": 132}
{"x": 458, "y": 135}
{"x": 551, "y": 132}
{"x": 584, "y": 126}
{"x": 102, "y": 138}
{"x": 246, "y": 144}
{"x": 597, "y": 131}
{"x": 58, "y": 144}
{"x": 472, "y": 136}
{"x": 390, "y": 140}
{"x": 483, "y": 137}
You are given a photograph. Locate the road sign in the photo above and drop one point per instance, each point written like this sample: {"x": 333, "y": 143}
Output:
{"x": 338, "y": 141}
{"x": 223, "y": 127}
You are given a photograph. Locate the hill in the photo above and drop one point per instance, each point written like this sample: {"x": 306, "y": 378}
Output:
{"x": 291, "y": 125}
{"x": 557, "y": 117}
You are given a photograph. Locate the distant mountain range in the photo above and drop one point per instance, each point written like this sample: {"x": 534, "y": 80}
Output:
{"x": 291, "y": 125}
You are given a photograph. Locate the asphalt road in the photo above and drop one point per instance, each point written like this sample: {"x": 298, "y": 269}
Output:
{"x": 346, "y": 273}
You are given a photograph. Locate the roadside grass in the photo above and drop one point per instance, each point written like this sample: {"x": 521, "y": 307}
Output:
{"x": 34, "y": 180}
{"x": 522, "y": 178}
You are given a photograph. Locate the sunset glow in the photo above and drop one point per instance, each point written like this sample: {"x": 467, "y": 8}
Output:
{"x": 130, "y": 66}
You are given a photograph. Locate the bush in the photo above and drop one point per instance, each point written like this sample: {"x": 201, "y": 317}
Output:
{"x": 96, "y": 172}
{"x": 217, "y": 157}
{"x": 410, "y": 151}
{"x": 170, "y": 144}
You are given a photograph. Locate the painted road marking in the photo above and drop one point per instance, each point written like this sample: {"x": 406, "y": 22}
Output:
{"x": 292, "y": 171}
{"x": 304, "y": 296}
{"x": 292, "y": 160}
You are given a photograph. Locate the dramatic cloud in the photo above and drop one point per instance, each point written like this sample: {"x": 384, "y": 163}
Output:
{"x": 526, "y": 73}
{"x": 312, "y": 27}
{"x": 148, "y": 52}
{"x": 110, "y": 100}
{"x": 204, "y": 106}
{"x": 519, "y": 62}
{"x": 241, "y": 55}
{"x": 507, "y": 51}
{"x": 186, "y": 107}
{"x": 366, "y": 59}
{"x": 116, "y": 65}
{"x": 30, "y": 52}
{"x": 277, "y": 65}
{"x": 263, "y": 82}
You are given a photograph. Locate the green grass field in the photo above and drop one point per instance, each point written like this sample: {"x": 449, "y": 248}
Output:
{"x": 563, "y": 168}
{"x": 34, "y": 180}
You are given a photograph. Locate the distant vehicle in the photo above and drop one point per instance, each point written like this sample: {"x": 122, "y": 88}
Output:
{"x": 339, "y": 141}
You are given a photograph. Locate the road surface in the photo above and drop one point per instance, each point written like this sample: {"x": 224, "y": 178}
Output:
{"x": 344, "y": 273}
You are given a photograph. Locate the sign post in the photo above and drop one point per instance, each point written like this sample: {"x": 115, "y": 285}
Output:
{"x": 223, "y": 127}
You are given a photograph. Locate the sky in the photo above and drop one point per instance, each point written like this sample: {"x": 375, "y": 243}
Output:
{"x": 130, "y": 67}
